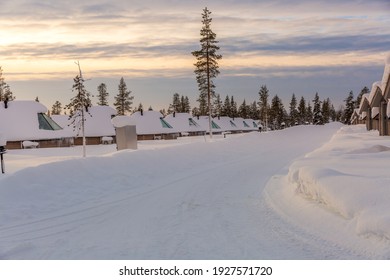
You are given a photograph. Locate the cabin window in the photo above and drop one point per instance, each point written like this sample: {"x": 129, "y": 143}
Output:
{"x": 165, "y": 124}
{"x": 232, "y": 124}
{"x": 192, "y": 122}
{"x": 214, "y": 125}
{"x": 245, "y": 124}
{"x": 46, "y": 123}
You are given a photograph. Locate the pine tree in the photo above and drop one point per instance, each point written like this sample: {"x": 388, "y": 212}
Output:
{"x": 293, "y": 110}
{"x": 206, "y": 65}
{"x": 102, "y": 95}
{"x": 317, "y": 115}
{"x": 302, "y": 110}
{"x": 56, "y": 108}
{"x": 263, "y": 103}
{"x": 349, "y": 108}
{"x": 123, "y": 100}
{"x": 140, "y": 107}
{"x": 78, "y": 106}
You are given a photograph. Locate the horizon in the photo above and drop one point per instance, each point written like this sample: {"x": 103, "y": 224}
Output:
{"x": 300, "y": 47}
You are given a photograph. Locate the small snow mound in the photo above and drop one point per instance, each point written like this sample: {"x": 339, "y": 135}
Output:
{"x": 372, "y": 149}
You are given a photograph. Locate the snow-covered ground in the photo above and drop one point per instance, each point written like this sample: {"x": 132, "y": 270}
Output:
{"x": 249, "y": 196}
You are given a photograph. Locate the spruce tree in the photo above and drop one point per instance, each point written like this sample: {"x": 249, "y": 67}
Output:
{"x": 102, "y": 95}
{"x": 186, "y": 105}
{"x": 243, "y": 110}
{"x": 293, "y": 110}
{"x": 233, "y": 108}
{"x": 123, "y": 100}
{"x": 302, "y": 110}
{"x": 317, "y": 115}
{"x": 349, "y": 108}
{"x": 364, "y": 90}
{"x": 226, "y": 108}
{"x": 309, "y": 113}
{"x": 217, "y": 106}
{"x": 5, "y": 90}
{"x": 175, "y": 106}
{"x": 56, "y": 108}
{"x": 263, "y": 104}
{"x": 206, "y": 65}
{"x": 254, "y": 113}
{"x": 326, "y": 110}
{"x": 277, "y": 112}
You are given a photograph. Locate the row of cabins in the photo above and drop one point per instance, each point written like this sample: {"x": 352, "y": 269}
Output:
{"x": 26, "y": 124}
{"x": 374, "y": 108}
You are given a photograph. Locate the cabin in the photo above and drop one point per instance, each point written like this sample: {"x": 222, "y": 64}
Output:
{"x": 226, "y": 124}
{"x": 185, "y": 124}
{"x": 374, "y": 109}
{"x": 151, "y": 125}
{"x": 203, "y": 121}
{"x": 98, "y": 128}
{"x": 27, "y": 122}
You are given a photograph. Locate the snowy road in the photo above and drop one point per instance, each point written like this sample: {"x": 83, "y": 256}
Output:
{"x": 192, "y": 201}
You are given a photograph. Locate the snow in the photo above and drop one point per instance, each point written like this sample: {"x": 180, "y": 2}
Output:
{"x": 248, "y": 196}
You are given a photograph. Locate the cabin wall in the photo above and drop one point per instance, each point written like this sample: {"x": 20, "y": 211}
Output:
{"x": 90, "y": 140}
{"x": 49, "y": 143}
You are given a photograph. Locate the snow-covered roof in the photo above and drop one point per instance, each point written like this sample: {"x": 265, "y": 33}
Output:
{"x": 152, "y": 122}
{"x": 355, "y": 115}
{"x": 184, "y": 122}
{"x": 97, "y": 122}
{"x": 20, "y": 121}
{"x": 386, "y": 78}
{"x": 226, "y": 123}
{"x": 243, "y": 124}
{"x": 374, "y": 89}
{"x": 374, "y": 112}
{"x": 204, "y": 123}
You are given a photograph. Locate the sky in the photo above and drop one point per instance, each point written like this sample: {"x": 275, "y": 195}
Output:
{"x": 302, "y": 47}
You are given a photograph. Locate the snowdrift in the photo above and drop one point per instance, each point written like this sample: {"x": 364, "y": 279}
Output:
{"x": 348, "y": 177}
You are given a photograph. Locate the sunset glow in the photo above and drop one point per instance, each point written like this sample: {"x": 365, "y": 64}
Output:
{"x": 149, "y": 39}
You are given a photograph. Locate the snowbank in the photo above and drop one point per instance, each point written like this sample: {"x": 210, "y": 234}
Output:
{"x": 348, "y": 177}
